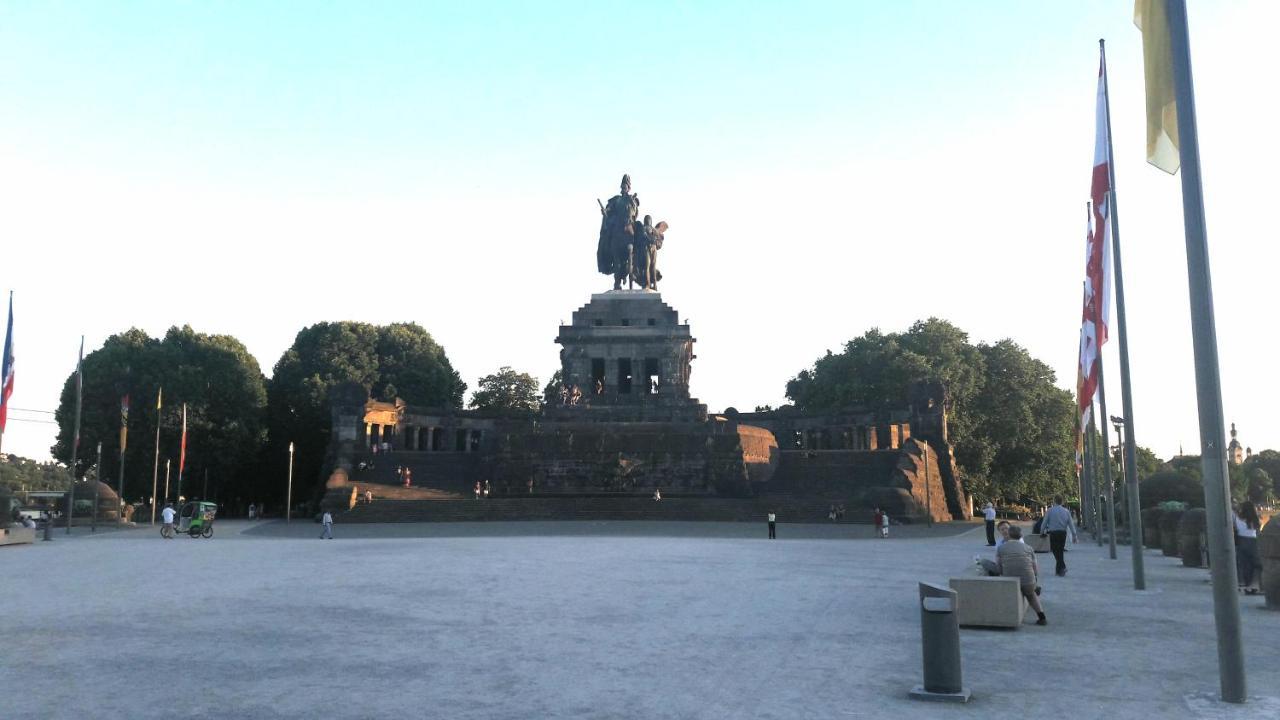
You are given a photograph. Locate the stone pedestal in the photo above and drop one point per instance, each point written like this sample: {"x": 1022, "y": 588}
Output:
{"x": 630, "y": 357}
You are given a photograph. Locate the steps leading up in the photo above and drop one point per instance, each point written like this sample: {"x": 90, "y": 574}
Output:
{"x": 591, "y": 508}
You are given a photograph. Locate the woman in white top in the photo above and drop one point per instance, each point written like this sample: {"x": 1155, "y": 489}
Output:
{"x": 1247, "y": 524}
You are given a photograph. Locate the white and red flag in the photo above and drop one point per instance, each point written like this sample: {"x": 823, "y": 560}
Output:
{"x": 1096, "y": 316}
{"x": 6, "y": 369}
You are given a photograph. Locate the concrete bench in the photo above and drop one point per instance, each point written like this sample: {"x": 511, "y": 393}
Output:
{"x": 989, "y": 601}
{"x": 17, "y": 535}
{"x": 1037, "y": 543}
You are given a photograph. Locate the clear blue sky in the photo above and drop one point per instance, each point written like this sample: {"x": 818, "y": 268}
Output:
{"x": 825, "y": 167}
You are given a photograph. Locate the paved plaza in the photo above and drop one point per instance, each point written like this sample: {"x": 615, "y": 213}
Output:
{"x": 585, "y": 620}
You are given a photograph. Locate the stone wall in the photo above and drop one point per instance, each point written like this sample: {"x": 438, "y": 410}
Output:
{"x": 620, "y": 458}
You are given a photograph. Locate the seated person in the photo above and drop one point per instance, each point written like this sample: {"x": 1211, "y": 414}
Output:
{"x": 1016, "y": 559}
{"x": 1002, "y": 537}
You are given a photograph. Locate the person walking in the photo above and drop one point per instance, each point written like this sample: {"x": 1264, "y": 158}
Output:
{"x": 989, "y": 515}
{"x": 1057, "y": 522}
{"x": 327, "y": 521}
{"x": 876, "y": 518}
{"x": 1247, "y": 524}
{"x": 773, "y": 526}
{"x": 884, "y": 525}
{"x": 1016, "y": 559}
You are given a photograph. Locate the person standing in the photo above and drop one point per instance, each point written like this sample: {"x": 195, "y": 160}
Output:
{"x": 166, "y": 517}
{"x": 876, "y": 518}
{"x": 487, "y": 487}
{"x": 1247, "y": 523}
{"x": 477, "y": 489}
{"x": 327, "y": 521}
{"x": 989, "y": 515}
{"x": 1016, "y": 559}
{"x": 884, "y": 525}
{"x": 773, "y": 526}
{"x": 1057, "y": 522}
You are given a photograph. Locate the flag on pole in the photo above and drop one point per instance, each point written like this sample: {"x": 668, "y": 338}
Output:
{"x": 182, "y": 454}
{"x": 159, "y": 397}
{"x": 124, "y": 422}
{"x": 1098, "y": 289}
{"x": 1162, "y": 108}
{"x": 6, "y": 369}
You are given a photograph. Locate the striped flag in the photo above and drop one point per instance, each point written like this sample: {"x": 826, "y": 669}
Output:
{"x": 1162, "y": 108}
{"x": 159, "y": 397}
{"x": 124, "y": 422}
{"x": 1095, "y": 318}
{"x": 6, "y": 369}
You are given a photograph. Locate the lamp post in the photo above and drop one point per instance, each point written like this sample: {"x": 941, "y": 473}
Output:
{"x": 1117, "y": 422}
{"x": 288, "y": 497}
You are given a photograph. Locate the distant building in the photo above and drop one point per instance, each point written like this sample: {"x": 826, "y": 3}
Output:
{"x": 1235, "y": 451}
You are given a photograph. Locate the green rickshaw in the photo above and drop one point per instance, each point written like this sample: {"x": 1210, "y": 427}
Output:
{"x": 196, "y": 519}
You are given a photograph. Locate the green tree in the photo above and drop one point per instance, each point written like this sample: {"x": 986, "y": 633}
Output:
{"x": 1269, "y": 462}
{"x": 214, "y": 375}
{"x": 1026, "y": 425}
{"x": 506, "y": 390}
{"x": 1148, "y": 463}
{"x": 1010, "y": 427}
{"x": 1168, "y": 485}
{"x": 551, "y": 393}
{"x": 19, "y": 473}
{"x": 397, "y": 360}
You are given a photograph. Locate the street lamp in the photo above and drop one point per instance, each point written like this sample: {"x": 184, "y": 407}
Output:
{"x": 1118, "y": 423}
{"x": 288, "y": 497}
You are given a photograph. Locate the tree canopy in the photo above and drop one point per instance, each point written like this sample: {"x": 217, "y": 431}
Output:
{"x": 507, "y": 390}
{"x": 214, "y": 375}
{"x": 396, "y": 360}
{"x": 1010, "y": 426}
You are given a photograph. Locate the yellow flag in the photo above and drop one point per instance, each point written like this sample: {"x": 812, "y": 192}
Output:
{"x": 1162, "y": 109}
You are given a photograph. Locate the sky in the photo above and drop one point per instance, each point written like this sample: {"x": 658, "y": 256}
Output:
{"x": 826, "y": 168}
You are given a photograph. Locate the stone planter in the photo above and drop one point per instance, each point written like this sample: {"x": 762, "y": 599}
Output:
{"x": 1151, "y": 528}
{"x": 1269, "y": 551}
{"x": 1191, "y": 537}
{"x": 1169, "y": 532}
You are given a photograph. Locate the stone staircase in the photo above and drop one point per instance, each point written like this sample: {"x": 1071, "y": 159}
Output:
{"x": 447, "y": 474}
{"x": 586, "y": 507}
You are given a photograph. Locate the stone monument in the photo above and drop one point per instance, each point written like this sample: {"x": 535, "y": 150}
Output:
{"x": 624, "y": 424}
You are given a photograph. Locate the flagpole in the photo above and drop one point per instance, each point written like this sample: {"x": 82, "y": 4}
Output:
{"x": 1093, "y": 475}
{"x": 1213, "y": 459}
{"x": 75, "y": 441}
{"x": 1106, "y": 461}
{"x": 93, "y": 524}
{"x": 155, "y": 469}
{"x": 182, "y": 457}
{"x": 1126, "y": 390}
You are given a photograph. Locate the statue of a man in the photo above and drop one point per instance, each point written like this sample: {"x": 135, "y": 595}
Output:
{"x": 644, "y": 254}
{"x": 617, "y": 234}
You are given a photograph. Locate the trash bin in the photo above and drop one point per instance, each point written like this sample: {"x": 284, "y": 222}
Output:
{"x": 940, "y": 646}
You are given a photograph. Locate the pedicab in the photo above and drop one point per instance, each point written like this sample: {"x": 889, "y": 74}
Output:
{"x": 196, "y": 519}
